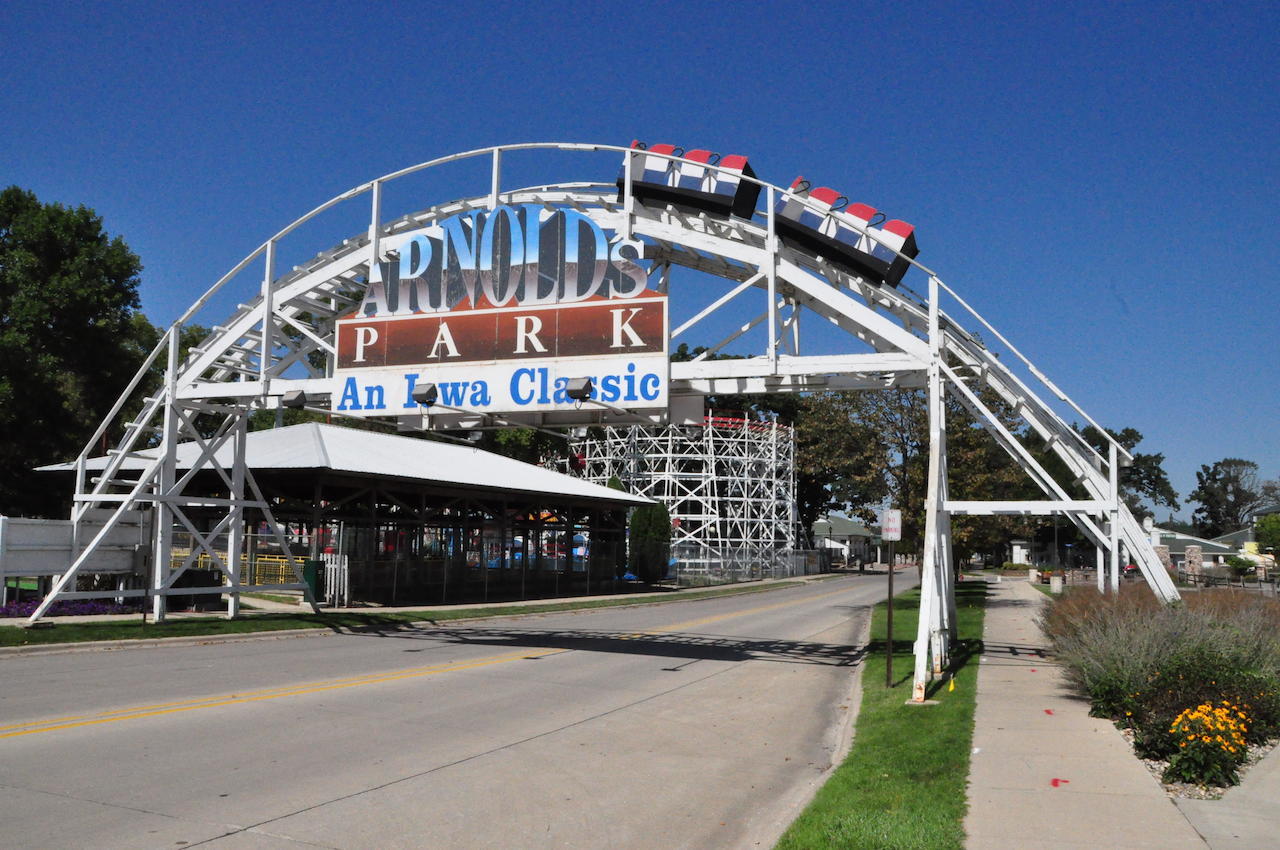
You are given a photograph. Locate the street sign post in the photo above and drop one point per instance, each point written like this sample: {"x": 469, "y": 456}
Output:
{"x": 890, "y": 531}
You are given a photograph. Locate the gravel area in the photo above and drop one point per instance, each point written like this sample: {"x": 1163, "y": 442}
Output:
{"x": 1200, "y": 792}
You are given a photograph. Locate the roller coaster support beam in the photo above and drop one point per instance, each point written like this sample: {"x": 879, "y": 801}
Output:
{"x": 936, "y": 625}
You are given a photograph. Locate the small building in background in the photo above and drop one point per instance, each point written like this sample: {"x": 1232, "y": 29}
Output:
{"x": 853, "y": 541}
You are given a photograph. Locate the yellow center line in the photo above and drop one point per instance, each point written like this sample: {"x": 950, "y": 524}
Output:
{"x": 160, "y": 709}
{"x": 259, "y": 695}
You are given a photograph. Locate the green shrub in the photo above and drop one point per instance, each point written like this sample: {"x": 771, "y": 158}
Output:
{"x": 1196, "y": 677}
{"x": 1240, "y": 567}
{"x": 1012, "y": 565}
{"x": 650, "y": 530}
{"x": 1143, "y": 663}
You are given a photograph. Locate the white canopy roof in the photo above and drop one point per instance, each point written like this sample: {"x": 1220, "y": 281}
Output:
{"x": 317, "y": 446}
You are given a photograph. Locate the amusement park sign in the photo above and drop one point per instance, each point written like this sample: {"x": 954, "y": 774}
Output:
{"x": 500, "y": 309}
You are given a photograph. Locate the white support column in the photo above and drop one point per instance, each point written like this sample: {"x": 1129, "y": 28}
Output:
{"x": 944, "y": 547}
{"x": 495, "y": 178}
{"x": 771, "y": 252}
{"x": 923, "y": 643}
{"x": 235, "y": 534}
{"x": 936, "y": 528}
{"x": 78, "y": 508}
{"x": 268, "y": 316}
{"x": 932, "y": 638}
{"x": 628, "y": 197}
{"x": 1101, "y": 562}
{"x": 375, "y": 235}
{"x": 1113, "y": 472}
{"x": 163, "y": 532}
{"x": 795, "y": 329}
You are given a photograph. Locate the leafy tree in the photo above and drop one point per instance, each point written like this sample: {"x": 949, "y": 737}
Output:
{"x": 525, "y": 444}
{"x": 650, "y": 530}
{"x": 71, "y": 337}
{"x": 1178, "y": 525}
{"x": 900, "y": 422}
{"x": 861, "y": 448}
{"x": 836, "y": 460}
{"x": 1270, "y": 495}
{"x": 1267, "y": 531}
{"x": 1227, "y": 493}
{"x": 1142, "y": 481}
{"x": 979, "y": 469}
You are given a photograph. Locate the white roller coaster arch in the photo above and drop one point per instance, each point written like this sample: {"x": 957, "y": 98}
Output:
{"x": 272, "y": 344}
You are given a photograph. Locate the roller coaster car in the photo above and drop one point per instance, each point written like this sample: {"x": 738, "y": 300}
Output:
{"x": 842, "y": 233}
{"x": 692, "y": 183}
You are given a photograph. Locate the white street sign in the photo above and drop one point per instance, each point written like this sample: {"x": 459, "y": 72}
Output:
{"x": 891, "y": 525}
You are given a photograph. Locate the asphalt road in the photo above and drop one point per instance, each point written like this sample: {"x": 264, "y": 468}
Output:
{"x": 696, "y": 724}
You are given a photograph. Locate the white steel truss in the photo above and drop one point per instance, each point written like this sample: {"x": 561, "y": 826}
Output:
{"x": 729, "y": 483}
{"x": 281, "y": 338}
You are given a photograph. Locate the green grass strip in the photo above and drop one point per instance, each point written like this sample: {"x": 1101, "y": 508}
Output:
{"x": 903, "y": 783}
{"x": 135, "y": 629}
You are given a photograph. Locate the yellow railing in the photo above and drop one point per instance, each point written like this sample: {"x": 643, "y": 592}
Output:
{"x": 266, "y": 569}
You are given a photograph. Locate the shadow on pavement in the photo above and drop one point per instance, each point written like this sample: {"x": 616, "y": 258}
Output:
{"x": 682, "y": 645}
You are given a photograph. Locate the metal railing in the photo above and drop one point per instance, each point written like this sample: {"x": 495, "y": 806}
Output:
{"x": 1264, "y": 582}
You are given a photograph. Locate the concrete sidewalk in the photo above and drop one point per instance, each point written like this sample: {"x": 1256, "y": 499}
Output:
{"x": 1044, "y": 774}
{"x": 1248, "y": 816}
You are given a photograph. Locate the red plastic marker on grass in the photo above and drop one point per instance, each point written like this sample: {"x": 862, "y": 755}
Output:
{"x": 1056, "y": 782}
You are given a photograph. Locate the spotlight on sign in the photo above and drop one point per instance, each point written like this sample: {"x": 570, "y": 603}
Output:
{"x": 822, "y": 221}
{"x": 579, "y": 389}
{"x": 293, "y": 399}
{"x": 426, "y": 394}
{"x": 701, "y": 182}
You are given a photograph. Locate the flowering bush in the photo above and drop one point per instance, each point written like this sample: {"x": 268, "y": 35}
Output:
{"x": 1211, "y": 744}
{"x": 1142, "y": 663}
{"x": 66, "y": 608}
{"x": 1198, "y": 676}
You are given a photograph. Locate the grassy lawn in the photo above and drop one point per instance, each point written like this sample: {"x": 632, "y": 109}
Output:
{"x": 195, "y": 626}
{"x": 903, "y": 783}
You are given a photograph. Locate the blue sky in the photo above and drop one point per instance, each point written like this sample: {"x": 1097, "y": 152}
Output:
{"x": 1099, "y": 179}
